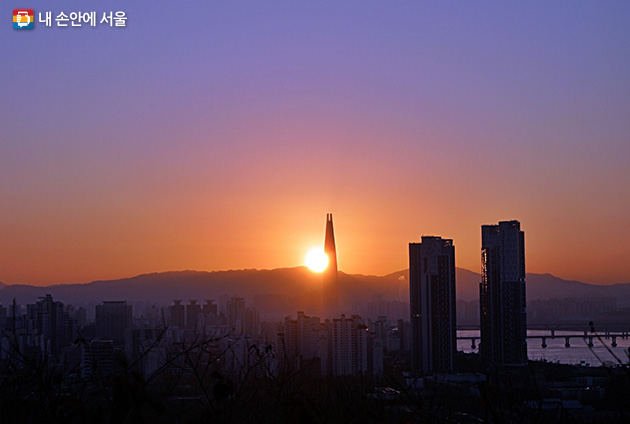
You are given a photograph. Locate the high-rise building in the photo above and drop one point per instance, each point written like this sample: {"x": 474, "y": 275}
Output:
{"x": 251, "y": 323}
{"x": 192, "y": 315}
{"x": 3, "y": 316}
{"x": 52, "y": 323}
{"x": 330, "y": 285}
{"x": 502, "y": 294}
{"x": 287, "y": 342}
{"x": 177, "y": 314}
{"x": 138, "y": 343}
{"x": 432, "y": 305}
{"x": 112, "y": 318}
{"x": 349, "y": 346}
{"x": 376, "y": 351}
{"x": 303, "y": 342}
{"x": 210, "y": 312}
{"x": 236, "y": 314}
{"x": 97, "y": 359}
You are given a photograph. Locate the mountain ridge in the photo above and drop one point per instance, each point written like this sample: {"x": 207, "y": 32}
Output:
{"x": 296, "y": 283}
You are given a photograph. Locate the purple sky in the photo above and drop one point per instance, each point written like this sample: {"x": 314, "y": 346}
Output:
{"x": 216, "y": 135}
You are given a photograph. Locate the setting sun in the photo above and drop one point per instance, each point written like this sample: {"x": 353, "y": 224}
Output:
{"x": 316, "y": 260}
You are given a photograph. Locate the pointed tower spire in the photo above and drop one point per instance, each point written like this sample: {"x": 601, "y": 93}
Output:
{"x": 331, "y": 283}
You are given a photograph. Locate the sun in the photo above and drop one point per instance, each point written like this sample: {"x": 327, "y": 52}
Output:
{"x": 316, "y": 260}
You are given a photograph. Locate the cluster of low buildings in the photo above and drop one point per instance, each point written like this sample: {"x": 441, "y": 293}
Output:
{"x": 182, "y": 336}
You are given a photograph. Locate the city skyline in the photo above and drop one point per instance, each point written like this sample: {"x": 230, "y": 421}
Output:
{"x": 219, "y": 143}
{"x": 164, "y": 172}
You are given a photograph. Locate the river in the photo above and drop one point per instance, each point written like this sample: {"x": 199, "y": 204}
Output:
{"x": 578, "y": 353}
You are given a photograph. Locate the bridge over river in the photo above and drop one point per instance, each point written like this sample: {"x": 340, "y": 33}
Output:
{"x": 585, "y": 335}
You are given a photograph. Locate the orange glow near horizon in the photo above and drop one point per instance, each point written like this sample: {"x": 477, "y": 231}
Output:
{"x": 161, "y": 234}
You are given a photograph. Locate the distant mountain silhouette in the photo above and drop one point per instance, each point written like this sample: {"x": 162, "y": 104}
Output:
{"x": 165, "y": 286}
{"x": 298, "y": 286}
{"x": 540, "y": 286}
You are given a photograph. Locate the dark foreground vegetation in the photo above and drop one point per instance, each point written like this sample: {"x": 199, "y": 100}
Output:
{"x": 193, "y": 390}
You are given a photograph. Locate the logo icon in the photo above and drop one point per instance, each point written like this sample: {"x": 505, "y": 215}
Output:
{"x": 23, "y": 19}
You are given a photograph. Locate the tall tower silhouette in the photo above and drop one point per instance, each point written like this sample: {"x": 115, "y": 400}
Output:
{"x": 330, "y": 287}
{"x": 502, "y": 297}
{"x": 432, "y": 305}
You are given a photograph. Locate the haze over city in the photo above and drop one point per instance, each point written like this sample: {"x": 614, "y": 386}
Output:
{"x": 218, "y": 139}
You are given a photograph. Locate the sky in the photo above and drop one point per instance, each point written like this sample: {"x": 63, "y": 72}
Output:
{"x": 216, "y": 135}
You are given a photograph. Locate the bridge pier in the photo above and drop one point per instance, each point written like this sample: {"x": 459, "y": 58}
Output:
{"x": 567, "y": 342}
